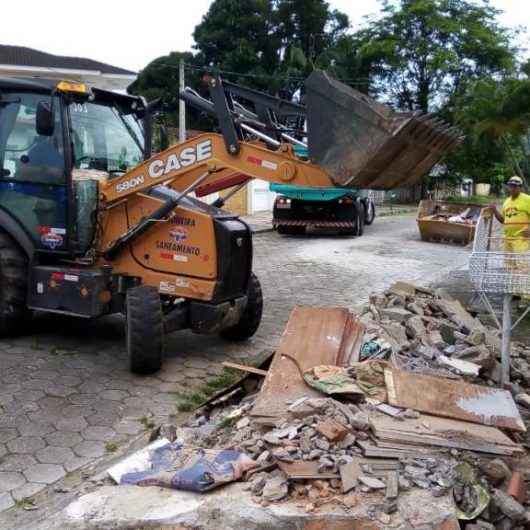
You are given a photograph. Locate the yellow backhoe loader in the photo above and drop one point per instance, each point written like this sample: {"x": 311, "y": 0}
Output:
{"x": 93, "y": 223}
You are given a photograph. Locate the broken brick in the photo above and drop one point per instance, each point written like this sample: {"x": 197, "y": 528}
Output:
{"x": 332, "y": 430}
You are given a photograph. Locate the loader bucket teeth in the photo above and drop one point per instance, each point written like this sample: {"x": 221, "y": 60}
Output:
{"x": 364, "y": 144}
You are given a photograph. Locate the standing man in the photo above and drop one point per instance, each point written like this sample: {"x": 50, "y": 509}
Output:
{"x": 515, "y": 215}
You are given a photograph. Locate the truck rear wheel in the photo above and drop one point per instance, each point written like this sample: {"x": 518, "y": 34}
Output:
{"x": 361, "y": 215}
{"x": 250, "y": 319}
{"x": 144, "y": 329}
{"x": 13, "y": 286}
{"x": 370, "y": 213}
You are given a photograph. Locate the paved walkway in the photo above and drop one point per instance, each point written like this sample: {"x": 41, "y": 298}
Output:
{"x": 67, "y": 398}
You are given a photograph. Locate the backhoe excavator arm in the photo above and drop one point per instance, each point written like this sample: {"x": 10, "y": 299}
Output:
{"x": 183, "y": 164}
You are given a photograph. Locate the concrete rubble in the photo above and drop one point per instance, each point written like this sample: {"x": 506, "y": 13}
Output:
{"x": 365, "y": 458}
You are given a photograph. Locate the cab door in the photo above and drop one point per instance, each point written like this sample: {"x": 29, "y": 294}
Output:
{"x": 32, "y": 170}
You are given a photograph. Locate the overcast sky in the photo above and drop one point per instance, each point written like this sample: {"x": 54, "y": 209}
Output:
{"x": 130, "y": 34}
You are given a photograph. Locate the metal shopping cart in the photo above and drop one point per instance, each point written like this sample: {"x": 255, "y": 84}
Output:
{"x": 499, "y": 268}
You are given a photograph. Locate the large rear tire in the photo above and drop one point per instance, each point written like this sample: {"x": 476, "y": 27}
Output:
{"x": 13, "y": 286}
{"x": 144, "y": 329}
{"x": 250, "y": 319}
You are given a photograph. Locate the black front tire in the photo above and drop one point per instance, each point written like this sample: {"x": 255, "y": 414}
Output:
{"x": 13, "y": 286}
{"x": 144, "y": 330}
{"x": 250, "y": 319}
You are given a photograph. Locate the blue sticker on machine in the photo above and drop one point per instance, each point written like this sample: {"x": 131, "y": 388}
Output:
{"x": 51, "y": 240}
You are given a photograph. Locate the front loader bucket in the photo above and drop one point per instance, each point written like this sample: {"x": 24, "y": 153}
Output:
{"x": 363, "y": 144}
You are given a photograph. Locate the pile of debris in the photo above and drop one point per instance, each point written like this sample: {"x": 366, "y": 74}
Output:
{"x": 359, "y": 409}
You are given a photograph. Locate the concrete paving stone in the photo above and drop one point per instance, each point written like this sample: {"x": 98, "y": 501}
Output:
{"x": 26, "y": 444}
{"x": 103, "y": 419}
{"x": 91, "y": 387}
{"x": 174, "y": 375}
{"x": 68, "y": 380}
{"x": 163, "y": 409}
{"x": 76, "y": 462}
{"x": 71, "y": 424}
{"x": 135, "y": 412}
{"x": 165, "y": 397}
{"x": 118, "y": 384}
{"x": 54, "y": 455}
{"x": 16, "y": 407}
{"x": 6, "y": 501}
{"x": 170, "y": 387}
{"x": 16, "y": 462}
{"x": 89, "y": 448}
{"x": 27, "y": 490}
{"x": 36, "y": 384}
{"x": 40, "y": 415}
{"x": 27, "y": 395}
{"x": 11, "y": 376}
{"x": 51, "y": 404}
{"x": 141, "y": 391}
{"x": 82, "y": 399}
{"x": 59, "y": 390}
{"x": 9, "y": 480}
{"x": 3, "y": 451}
{"x": 98, "y": 433}
{"x": 135, "y": 402}
{"x": 130, "y": 427}
{"x": 107, "y": 406}
{"x": 77, "y": 411}
{"x": 46, "y": 374}
{"x": 35, "y": 428}
{"x": 194, "y": 372}
{"x": 11, "y": 388}
{"x": 192, "y": 382}
{"x": 63, "y": 439}
{"x": 7, "y": 434}
{"x": 6, "y": 399}
{"x": 114, "y": 395}
{"x": 24, "y": 350}
{"x": 197, "y": 363}
{"x": 45, "y": 473}
{"x": 150, "y": 381}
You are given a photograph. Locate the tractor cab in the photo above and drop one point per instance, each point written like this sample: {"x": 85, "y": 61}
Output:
{"x": 57, "y": 140}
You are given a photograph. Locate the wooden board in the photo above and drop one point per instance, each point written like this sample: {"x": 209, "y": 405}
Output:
{"x": 313, "y": 336}
{"x": 453, "y": 399}
{"x": 441, "y": 432}
{"x": 303, "y": 470}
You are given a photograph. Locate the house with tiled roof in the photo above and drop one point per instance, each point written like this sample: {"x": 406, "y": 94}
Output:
{"x": 19, "y": 61}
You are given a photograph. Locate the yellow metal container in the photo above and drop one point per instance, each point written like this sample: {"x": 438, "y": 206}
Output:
{"x": 434, "y": 225}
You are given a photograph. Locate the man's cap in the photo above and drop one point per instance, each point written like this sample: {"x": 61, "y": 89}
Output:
{"x": 515, "y": 181}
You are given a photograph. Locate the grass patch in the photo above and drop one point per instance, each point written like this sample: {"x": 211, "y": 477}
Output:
{"x": 26, "y": 504}
{"x": 147, "y": 422}
{"x": 111, "y": 447}
{"x": 187, "y": 402}
{"x": 35, "y": 345}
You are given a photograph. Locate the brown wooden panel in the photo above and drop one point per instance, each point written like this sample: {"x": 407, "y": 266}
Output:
{"x": 453, "y": 399}
{"x": 313, "y": 336}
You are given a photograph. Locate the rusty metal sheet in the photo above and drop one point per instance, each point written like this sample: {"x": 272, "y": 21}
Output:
{"x": 362, "y": 143}
{"x": 453, "y": 399}
{"x": 313, "y": 336}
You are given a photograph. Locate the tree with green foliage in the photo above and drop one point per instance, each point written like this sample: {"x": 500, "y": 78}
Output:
{"x": 271, "y": 45}
{"x": 423, "y": 52}
{"x": 495, "y": 114}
